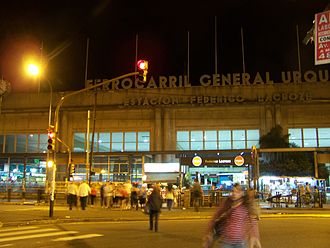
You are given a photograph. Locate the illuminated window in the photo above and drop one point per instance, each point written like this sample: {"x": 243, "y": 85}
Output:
{"x": 143, "y": 141}
{"x": 196, "y": 138}
{"x": 79, "y": 142}
{"x": 182, "y": 138}
{"x": 309, "y": 137}
{"x": 324, "y": 137}
{"x": 114, "y": 142}
{"x": 210, "y": 140}
{"x": 33, "y": 140}
{"x": 103, "y": 142}
{"x": 217, "y": 140}
{"x": 21, "y": 143}
{"x": 10, "y": 143}
{"x": 130, "y": 141}
{"x": 225, "y": 139}
{"x": 117, "y": 142}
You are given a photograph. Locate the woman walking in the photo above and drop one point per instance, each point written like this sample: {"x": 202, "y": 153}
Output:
{"x": 238, "y": 227}
{"x": 154, "y": 204}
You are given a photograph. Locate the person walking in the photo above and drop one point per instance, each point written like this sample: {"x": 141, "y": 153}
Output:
{"x": 72, "y": 191}
{"x": 235, "y": 221}
{"x": 196, "y": 194}
{"x": 93, "y": 194}
{"x": 102, "y": 195}
{"x": 154, "y": 204}
{"x": 169, "y": 197}
{"x": 83, "y": 192}
{"x": 108, "y": 195}
{"x": 143, "y": 196}
{"x": 135, "y": 197}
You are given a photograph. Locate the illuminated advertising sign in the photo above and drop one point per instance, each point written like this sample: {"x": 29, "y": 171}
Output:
{"x": 161, "y": 167}
{"x": 322, "y": 38}
{"x": 236, "y": 161}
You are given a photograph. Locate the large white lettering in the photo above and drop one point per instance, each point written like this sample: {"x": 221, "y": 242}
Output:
{"x": 212, "y": 80}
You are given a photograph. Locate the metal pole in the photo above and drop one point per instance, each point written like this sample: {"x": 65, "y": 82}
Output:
{"x": 88, "y": 145}
{"x": 49, "y": 124}
{"x": 316, "y": 167}
{"x": 243, "y": 55}
{"x": 52, "y": 195}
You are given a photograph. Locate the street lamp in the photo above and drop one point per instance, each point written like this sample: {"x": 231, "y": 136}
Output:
{"x": 35, "y": 71}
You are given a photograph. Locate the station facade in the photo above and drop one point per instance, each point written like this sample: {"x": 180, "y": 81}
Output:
{"x": 154, "y": 131}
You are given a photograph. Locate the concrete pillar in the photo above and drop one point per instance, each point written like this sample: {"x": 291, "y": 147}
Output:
{"x": 278, "y": 115}
{"x": 269, "y": 118}
{"x": 158, "y": 134}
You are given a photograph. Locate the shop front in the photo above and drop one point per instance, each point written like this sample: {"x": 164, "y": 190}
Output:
{"x": 280, "y": 191}
{"x": 218, "y": 171}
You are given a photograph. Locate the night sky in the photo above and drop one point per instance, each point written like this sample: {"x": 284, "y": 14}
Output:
{"x": 62, "y": 28}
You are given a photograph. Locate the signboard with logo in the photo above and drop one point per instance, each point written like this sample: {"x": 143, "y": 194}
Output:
{"x": 227, "y": 161}
{"x": 322, "y": 38}
{"x": 197, "y": 161}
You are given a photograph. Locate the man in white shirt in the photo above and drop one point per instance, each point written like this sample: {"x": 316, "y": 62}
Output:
{"x": 83, "y": 191}
{"x": 72, "y": 191}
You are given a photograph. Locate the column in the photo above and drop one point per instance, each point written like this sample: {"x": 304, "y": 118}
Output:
{"x": 158, "y": 141}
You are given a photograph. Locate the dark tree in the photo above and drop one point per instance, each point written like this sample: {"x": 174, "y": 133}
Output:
{"x": 284, "y": 163}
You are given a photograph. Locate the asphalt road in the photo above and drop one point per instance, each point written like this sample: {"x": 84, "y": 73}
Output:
{"x": 298, "y": 232}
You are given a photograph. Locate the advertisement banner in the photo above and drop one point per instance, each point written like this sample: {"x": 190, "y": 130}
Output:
{"x": 322, "y": 38}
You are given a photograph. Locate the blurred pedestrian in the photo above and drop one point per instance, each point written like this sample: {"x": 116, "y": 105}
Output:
{"x": 135, "y": 196}
{"x": 108, "y": 195}
{"x": 102, "y": 194}
{"x": 83, "y": 192}
{"x": 154, "y": 204}
{"x": 72, "y": 192}
{"x": 143, "y": 196}
{"x": 236, "y": 222}
{"x": 169, "y": 197}
{"x": 93, "y": 194}
{"x": 196, "y": 194}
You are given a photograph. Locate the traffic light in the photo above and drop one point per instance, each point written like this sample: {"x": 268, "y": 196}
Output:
{"x": 51, "y": 140}
{"x": 72, "y": 169}
{"x": 142, "y": 66}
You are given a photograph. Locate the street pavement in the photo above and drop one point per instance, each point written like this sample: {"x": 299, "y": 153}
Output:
{"x": 32, "y": 213}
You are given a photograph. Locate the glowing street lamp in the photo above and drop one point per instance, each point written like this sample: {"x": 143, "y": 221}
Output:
{"x": 33, "y": 69}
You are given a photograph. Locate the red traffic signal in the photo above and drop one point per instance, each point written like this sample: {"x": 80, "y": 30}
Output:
{"x": 142, "y": 66}
{"x": 51, "y": 140}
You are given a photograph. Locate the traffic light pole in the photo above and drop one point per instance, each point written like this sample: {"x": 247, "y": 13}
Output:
{"x": 56, "y": 127}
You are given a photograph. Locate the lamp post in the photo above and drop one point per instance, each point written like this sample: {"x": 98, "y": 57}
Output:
{"x": 34, "y": 70}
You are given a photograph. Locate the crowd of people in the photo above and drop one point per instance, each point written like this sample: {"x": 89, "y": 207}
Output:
{"x": 107, "y": 195}
{"x": 238, "y": 215}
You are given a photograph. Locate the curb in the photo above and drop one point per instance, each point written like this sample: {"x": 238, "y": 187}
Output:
{"x": 75, "y": 220}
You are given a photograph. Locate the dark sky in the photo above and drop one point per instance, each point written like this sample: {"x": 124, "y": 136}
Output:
{"x": 62, "y": 27}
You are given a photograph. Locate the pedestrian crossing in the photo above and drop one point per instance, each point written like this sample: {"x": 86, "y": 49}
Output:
{"x": 34, "y": 232}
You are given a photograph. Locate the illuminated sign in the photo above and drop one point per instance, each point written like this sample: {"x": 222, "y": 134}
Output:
{"x": 322, "y": 38}
{"x": 220, "y": 99}
{"x": 214, "y": 80}
{"x": 197, "y": 161}
{"x": 161, "y": 167}
{"x": 239, "y": 160}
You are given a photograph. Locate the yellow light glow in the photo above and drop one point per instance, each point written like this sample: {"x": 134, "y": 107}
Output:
{"x": 33, "y": 69}
{"x": 50, "y": 163}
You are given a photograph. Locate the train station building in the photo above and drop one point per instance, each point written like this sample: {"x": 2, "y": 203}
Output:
{"x": 164, "y": 129}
